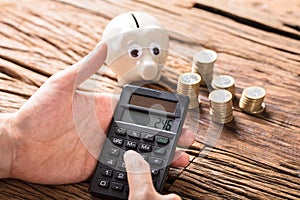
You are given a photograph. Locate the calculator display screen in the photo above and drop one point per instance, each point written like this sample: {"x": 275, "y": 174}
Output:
{"x": 153, "y": 103}
{"x": 149, "y": 120}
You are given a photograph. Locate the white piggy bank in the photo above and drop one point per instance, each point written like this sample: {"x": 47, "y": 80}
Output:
{"x": 137, "y": 47}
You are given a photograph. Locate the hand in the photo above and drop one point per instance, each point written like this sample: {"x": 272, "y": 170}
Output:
{"x": 58, "y": 133}
{"x": 139, "y": 176}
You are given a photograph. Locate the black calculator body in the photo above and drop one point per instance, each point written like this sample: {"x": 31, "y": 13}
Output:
{"x": 147, "y": 121}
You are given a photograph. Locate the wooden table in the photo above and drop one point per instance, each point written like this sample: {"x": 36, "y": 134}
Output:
{"x": 256, "y": 157}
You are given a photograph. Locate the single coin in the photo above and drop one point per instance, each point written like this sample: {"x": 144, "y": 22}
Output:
{"x": 205, "y": 56}
{"x": 255, "y": 92}
{"x": 223, "y": 82}
{"x": 220, "y": 96}
{"x": 190, "y": 78}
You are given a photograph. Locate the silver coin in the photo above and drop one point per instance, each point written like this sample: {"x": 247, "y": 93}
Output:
{"x": 255, "y": 92}
{"x": 190, "y": 78}
{"x": 220, "y": 96}
{"x": 223, "y": 81}
{"x": 205, "y": 56}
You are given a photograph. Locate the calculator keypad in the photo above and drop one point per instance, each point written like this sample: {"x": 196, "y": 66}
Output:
{"x": 153, "y": 147}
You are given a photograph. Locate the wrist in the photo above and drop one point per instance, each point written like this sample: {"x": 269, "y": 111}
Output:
{"x": 6, "y": 145}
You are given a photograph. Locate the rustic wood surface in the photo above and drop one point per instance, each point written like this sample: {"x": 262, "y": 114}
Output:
{"x": 255, "y": 157}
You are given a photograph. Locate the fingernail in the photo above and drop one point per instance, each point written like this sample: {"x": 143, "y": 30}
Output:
{"x": 129, "y": 153}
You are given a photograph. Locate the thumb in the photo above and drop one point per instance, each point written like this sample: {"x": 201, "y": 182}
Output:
{"x": 170, "y": 197}
{"x": 139, "y": 177}
{"x": 86, "y": 67}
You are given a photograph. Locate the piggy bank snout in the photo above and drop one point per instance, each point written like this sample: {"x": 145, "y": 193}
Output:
{"x": 149, "y": 70}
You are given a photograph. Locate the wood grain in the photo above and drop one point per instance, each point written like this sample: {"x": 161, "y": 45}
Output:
{"x": 254, "y": 157}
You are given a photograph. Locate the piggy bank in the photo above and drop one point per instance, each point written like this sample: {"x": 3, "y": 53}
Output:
{"x": 137, "y": 47}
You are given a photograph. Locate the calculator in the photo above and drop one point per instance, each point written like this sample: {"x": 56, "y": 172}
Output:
{"x": 147, "y": 121}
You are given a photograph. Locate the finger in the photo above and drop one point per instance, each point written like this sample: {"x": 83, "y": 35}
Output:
{"x": 138, "y": 174}
{"x": 170, "y": 197}
{"x": 86, "y": 67}
{"x": 181, "y": 159}
{"x": 90, "y": 64}
{"x": 187, "y": 138}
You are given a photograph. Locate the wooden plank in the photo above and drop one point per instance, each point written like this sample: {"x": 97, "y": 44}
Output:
{"x": 268, "y": 15}
{"x": 225, "y": 175}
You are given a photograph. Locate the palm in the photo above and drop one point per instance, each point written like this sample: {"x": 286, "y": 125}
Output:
{"x": 60, "y": 134}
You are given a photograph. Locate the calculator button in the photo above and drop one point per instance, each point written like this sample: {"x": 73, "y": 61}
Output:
{"x": 145, "y": 147}
{"x": 120, "y": 131}
{"x": 120, "y": 175}
{"x": 130, "y": 144}
{"x": 121, "y": 165}
{"x": 103, "y": 183}
{"x": 106, "y": 172}
{"x": 117, "y": 141}
{"x": 155, "y": 161}
{"x": 114, "y": 151}
{"x": 154, "y": 172}
{"x": 134, "y": 134}
{"x": 160, "y": 151}
{"x": 110, "y": 162}
{"x": 148, "y": 137}
{"x": 162, "y": 140}
{"x": 116, "y": 186}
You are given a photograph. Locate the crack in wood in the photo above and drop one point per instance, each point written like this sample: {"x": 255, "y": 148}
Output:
{"x": 158, "y": 8}
{"x": 258, "y": 175}
{"x": 37, "y": 53}
{"x": 40, "y": 191}
{"x": 228, "y": 180}
{"x": 85, "y": 9}
{"x": 246, "y": 21}
{"x": 251, "y": 161}
{"x": 295, "y": 27}
{"x": 25, "y": 96}
{"x": 26, "y": 66}
{"x": 266, "y": 45}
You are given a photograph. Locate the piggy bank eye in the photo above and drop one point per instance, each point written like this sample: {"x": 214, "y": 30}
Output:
{"x": 155, "y": 48}
{"x": 135, "y": 51}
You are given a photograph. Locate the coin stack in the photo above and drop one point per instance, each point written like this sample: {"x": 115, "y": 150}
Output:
{"x": 188, "y": 84}
{"x": 224, "y": 82}
{"x": 252, "y": 100}
{"x": 221, "y": 106}
{"x": 203, "y": 64}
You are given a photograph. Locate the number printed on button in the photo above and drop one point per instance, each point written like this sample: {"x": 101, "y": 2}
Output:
{"x": 120, "y": 175}
{"x": 103, "y": 183}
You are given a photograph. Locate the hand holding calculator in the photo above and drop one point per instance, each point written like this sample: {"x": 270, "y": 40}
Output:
{"x": 147, "y": 121}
